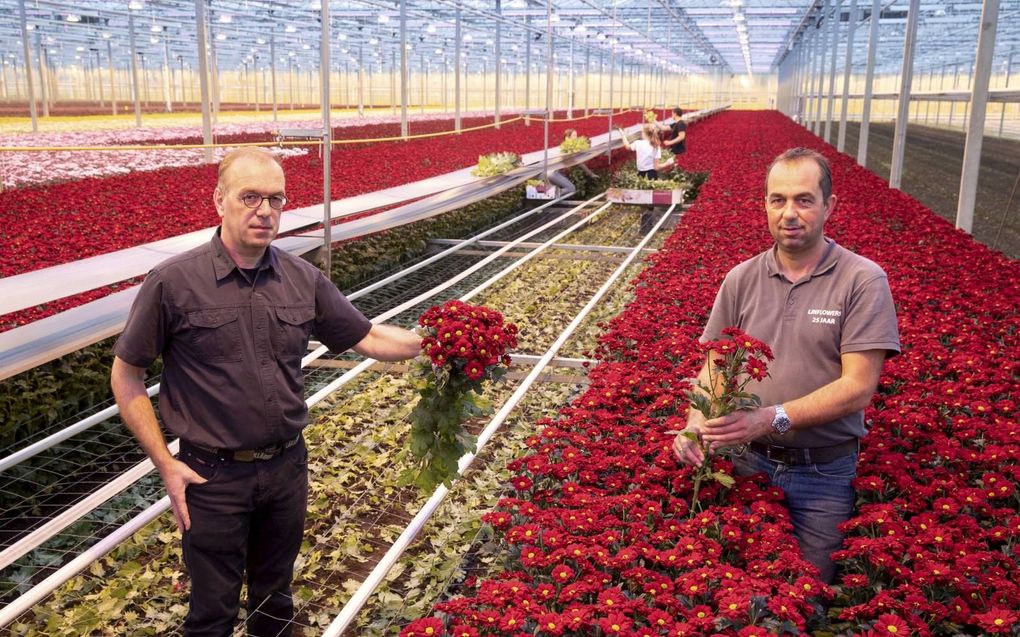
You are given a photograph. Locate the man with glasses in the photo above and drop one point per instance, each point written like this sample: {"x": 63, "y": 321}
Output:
{"x": 232, "y": 320}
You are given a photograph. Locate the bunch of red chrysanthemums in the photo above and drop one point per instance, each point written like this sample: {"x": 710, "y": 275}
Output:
{"x": 467, "y": 338}
{"x": 465, "y": 346}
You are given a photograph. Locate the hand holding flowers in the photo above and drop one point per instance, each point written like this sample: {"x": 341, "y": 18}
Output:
{"x": 464, "y": 346}
{"x": 718, "y": 400}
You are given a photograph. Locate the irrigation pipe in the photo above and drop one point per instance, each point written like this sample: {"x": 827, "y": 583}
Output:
{"x": 360, "y": 597}
{"x": 36, "y": 594}
{"x": 49, "y": 441}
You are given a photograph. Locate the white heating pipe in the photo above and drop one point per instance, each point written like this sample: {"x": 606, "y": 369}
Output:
{"x": 38, "y": 592}
{"x": 38, "y": 447}
{"x": 360, "y": 597}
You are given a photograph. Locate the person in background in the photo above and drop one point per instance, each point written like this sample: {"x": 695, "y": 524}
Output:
{"x": 231, "y": 320}
{"x": 648, "y": 150}
{"x": 828, "y": 316}
{"x": 677, "y": 140}
{"x": 570, "y": 133}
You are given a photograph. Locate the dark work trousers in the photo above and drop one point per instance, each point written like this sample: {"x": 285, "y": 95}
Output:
{"x": 249, "y": 516}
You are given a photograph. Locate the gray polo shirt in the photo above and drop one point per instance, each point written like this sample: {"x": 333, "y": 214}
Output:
{"x": 844, "y": 306}
{"x": 232, "y": 345}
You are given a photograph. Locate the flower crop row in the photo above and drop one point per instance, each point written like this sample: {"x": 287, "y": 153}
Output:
{"x": 598, "y": 538}
{"x": 65, "y": 222}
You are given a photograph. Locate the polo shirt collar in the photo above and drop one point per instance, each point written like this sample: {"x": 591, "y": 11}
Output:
{"x": 223, "y": 265}
{"x": 829, "y": 259}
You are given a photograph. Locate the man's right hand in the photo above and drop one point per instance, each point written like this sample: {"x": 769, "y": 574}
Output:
{"x": 176, "y": 477}
{"x": 686, "y": 450}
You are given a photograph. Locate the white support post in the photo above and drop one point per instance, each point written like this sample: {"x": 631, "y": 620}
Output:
{"x": 498, "y": 63}
{"x": 834, "y": 44}
{"x": 976, "y": 126}
{"x": 43, "y": 73}
{"x": 869, "y": 82}
{"x": 816, "y": 124}
{"x": 27, "y": 52}
{"x": 134, "y": 69}
{"x": 203, "y": 79}
{"x": 327, "y": 137}
{"x": 456, "y": 72}
{"x": 548, "y": 87}
{"x": 845, "y": 100}
{"x": 1009, "y": 71}
{"x": 903, "y": 110}
{"x": 272, "y": 74}
{"x": 113, "y": 86}
{"x": 404, "y": 78}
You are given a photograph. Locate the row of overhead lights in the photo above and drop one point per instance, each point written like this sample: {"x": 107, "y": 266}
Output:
{"x": 740, "y": 21}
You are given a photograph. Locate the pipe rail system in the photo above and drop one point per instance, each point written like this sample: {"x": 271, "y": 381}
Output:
{"x": 348, "y": 613}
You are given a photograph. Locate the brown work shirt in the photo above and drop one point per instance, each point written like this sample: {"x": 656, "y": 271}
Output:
{"x": 844, "y": 306}
{"x": 232, "y": 345}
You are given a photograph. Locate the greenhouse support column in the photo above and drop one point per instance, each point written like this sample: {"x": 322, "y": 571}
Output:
{"x": 99, "y": 79}
{"x": 27, "y": 51}
{"x": 423, "y": 82}
{"x": 527, "y": 70}
{"x": 499, "y": 62}
{"x": 167, "y": 95}
{"x": 403, "y": 69}
{"x": 548, "y": 87}
{"x": 255, "y": 73}
{"x": 927, "y": 104}
{"x": 203, "y": 79}
{"x": 570, "y": 82}
{"x": 841, "y": 138}
{"x": 393, "y": 81}
{"x": 809, "y": 75}
{"x": 1009, "y": 71}
{"x": 869, "y": 81}
{"x": 214, "y": 76}
{"x": 612, "y": 64}
{"x": 816, "y": 124}
{"x": 272, "y": 72}
{"x": 976, "y": 126}
{"x": 587, "y": 80}
{"x": 833, "y": 45}
{"x": 327, "y": 146}
{"x": 134, "y": 69}
{"x": 41, "y": 62}
{"x": 903, "y": 110}
{"x": 602, "y": 71}
{"x": 456, "y": 72}
{"x": 290, "y": 81}
{"x": 361, "y": 80}
{"x": 113, "y": 86}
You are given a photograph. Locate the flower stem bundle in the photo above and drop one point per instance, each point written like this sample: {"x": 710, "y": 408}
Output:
{"x": 736, "y": 360}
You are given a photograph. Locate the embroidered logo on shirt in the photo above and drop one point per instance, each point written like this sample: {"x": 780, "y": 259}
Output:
{"x": 825, "y": 316}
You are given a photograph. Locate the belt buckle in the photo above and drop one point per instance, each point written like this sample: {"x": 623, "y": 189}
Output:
{"x": 244, "y": 455}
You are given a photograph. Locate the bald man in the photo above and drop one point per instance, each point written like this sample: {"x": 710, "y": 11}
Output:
{"x": 231, "y": 320}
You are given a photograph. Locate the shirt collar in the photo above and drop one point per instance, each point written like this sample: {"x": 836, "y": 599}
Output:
{"x": 223, "y": 265}
{"x": 829, "y": 259}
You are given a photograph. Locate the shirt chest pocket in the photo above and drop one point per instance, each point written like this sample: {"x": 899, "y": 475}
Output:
{"x": 291, "y": 330}
{"x": 215, "y": 335}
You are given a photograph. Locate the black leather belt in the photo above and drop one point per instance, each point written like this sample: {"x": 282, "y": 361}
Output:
{"x": 812, "y": 455}
{"x": 245, "y": 455}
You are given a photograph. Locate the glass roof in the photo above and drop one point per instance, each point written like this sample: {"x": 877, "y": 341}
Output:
{"x": 689, "y": 36}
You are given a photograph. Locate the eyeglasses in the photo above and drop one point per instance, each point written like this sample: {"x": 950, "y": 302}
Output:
{"x": 254, "y": 200}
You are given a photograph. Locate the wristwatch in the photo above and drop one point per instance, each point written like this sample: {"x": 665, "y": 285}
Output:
{"x": 781, "y": 423}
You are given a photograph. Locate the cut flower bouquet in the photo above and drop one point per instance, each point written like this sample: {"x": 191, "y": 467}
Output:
{"x": 464, "y": 346}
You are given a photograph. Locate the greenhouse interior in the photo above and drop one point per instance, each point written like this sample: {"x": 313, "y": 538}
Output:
{"x": 562, "y": 400}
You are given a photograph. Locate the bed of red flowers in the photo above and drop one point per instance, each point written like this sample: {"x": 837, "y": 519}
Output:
{"x": 596, "y": 533}
{"x": 64, "y": 222}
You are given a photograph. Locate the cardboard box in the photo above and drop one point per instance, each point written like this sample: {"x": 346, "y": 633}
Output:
{"x": 645, "y": 197}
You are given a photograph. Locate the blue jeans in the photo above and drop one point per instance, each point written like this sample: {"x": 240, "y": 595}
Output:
{"x": 819, "y": 497}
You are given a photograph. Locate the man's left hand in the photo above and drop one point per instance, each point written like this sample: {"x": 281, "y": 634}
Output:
{"x": 738, "y": 428}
